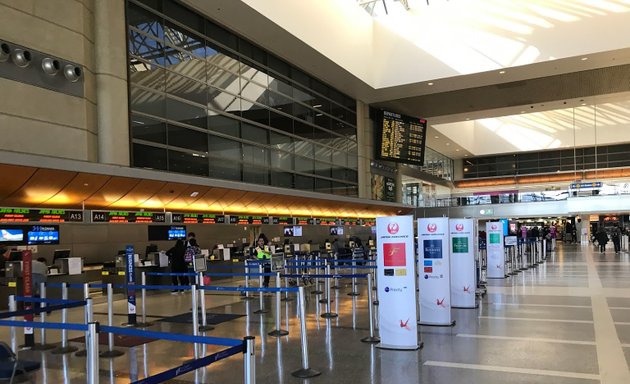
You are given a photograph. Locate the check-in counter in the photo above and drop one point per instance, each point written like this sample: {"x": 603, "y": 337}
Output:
{"x": 117, "y": 276}
{"x": 8, "y": 287}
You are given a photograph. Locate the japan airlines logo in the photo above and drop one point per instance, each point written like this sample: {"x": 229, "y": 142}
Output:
{"x": 459, "y": 227}
{"x": 393, "y": 228}
{"x": 403, "y": 324}
{"x": 440, "y": 303}
{"x": 467, "y": 289}
{"x": 499, "y": 266}
{"x": 432, "y": 227}
{"x": 494, "y": 227}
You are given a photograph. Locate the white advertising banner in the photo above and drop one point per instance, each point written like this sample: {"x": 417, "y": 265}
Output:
{"x": 434, "y": 271}
{"x": 495, "y": 250}
{"x": 396, "y": 282}
{"x": 463, "y": 284}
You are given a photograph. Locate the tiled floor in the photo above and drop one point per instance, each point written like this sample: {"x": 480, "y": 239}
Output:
{"x": 566, "y": 321}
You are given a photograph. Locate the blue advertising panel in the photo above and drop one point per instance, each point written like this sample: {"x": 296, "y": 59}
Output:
{"x": 131, "y": 281}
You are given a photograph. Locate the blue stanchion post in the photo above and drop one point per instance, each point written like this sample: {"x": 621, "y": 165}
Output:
{"x": 202, "y": 298}
{"x": 64, "y": 348}
{"x": 249, "y": 360}
{"x": 278, "y": 331}
{"x": 371, "y": 338}
{"x": 247, "y": 296}
{"x": 261, "y": 302}
{"x": 111, "y": 352}
{"x": 42, "y": 346}
{"x": 328, "y": 314}
{"x": 305, "y": 371}
{"x": 13, "y": 308}
{"x": 92, "y": 354}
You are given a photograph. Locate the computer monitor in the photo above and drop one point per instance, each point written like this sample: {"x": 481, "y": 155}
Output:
{"x": 15, "y": 256}
{"x": 150, "y": 249}
{"x": 60, "y": 254}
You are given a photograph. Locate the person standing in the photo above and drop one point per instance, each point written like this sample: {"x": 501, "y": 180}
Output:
{"x": 616, "y": 238}
{"x": 178, "y": 264}
{"x": 264, "y": 253}
{"x": 602, "y": 239}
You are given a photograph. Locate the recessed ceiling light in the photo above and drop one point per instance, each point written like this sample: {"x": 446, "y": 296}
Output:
{"x": 429, "y": 83}
{"x": 317, "y": 106}
{"x": 194, "y": 194}
{"x": 466, "y": 155}
{"x": 583, "y": 103}
{"x": 584, "y": 58}
{"x": 522, "y": 111}
{"x": 468, "y": 118}
{"x": 448, "y": 143}
{"x": 501, "y": 72}
{"x": 85, "y": 184}
{"x": 437, "y": 137}
{"x": 457, "y": 150}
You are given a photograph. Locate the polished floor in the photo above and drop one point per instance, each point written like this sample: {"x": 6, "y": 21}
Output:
{"x": 566, "y": 321}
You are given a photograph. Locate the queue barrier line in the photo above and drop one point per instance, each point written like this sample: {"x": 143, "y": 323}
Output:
{"x": 44, "y": 300}
{"x": 306, "y": 261}
{"x": 217, "y": 274}
{"x": 48, "y": 308}
{"x": 354, "y": 266}
{"x": 333, "y": 276}
{"x": 33, "y": 324}
{"x": 170, "y": 273}
{"x": 191, "y": 366}
{"x": 304, "y": 267}
{"x": 333, "y": 261}
{"x": 247, "y": 289}
{"x": 225, "y": 342}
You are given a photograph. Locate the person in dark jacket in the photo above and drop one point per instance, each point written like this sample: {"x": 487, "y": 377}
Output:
{"x": 178, "y": 264}
{"x": 602, "y": 239}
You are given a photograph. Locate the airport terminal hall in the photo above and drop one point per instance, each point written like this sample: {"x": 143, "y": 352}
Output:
{"x": 315, "y": 191}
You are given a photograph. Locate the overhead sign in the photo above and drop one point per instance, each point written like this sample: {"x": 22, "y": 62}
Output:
{"x": 463, "y": 283}
{"x": 434, "y": 271}
{"x": 495, "y": 250}
{"x": 595, "y": 184}
{"x": 396, "y": 283}
{"x": 128, "y": 217}
{"x": 198, "y": 218}
{"x": 24, "y": 215}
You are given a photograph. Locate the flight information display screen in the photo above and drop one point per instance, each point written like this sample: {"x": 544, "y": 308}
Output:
{"x": 400, "y": 138}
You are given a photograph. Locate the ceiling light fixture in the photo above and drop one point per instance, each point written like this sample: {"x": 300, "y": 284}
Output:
{"x": 584, "y": 58}
{"x": 501, "y": 72}
{"x": 437, "y": 137}
{"x": 448, "y": 143}
{"x": 429, "y": 83}
{"x": 194, "y": 194}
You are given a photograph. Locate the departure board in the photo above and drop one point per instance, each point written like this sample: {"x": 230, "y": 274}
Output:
{"x": 24, "y": 215}
{"x": 198, "y": 218}
{"x": 401, "y": 138}
{"x": 127, "y": 217}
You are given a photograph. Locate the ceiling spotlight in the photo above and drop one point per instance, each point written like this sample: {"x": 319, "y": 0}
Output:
{"x": 50, "y": 66}
{"x": 457, "y": 150}
{"x": 72, "y": 73}
{"x": 437, "y": 137}
{"x": 429, "y": 83}
{"x": 194, "y": 194}
{"x": 584, "y": 58}
{"x": 21, "y": 58}
{"x": 448, "y": 143}
{"x": 5, "y": 52}
{"x": 501, "y": 72}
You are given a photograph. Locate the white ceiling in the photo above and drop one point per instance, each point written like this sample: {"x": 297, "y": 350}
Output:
{"x": 491, "y": 76}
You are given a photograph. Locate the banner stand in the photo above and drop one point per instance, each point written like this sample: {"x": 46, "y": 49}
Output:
{"x": 462, "y": 262}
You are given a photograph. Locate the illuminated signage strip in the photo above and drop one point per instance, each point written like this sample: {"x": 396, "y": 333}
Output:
{"x": 25, "y": 215}
{"x": 128, "y": 217}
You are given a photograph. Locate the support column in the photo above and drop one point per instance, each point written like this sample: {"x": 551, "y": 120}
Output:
{"x": 112, "y": 111}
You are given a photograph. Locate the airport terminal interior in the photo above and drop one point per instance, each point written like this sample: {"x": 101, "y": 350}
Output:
{"x": 369, "y": 191}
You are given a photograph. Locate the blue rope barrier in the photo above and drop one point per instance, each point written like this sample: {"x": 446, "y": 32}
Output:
{"x": 352, "y": 261}
{"x": 294, "y": 261}
{"x": 217, "y": 274}
{"x": 353, "y": 267}
{"x": 98, "y": 286}
{"x": 50, "y": 301}
{"x": 162, "y": 287}
{"x": 193, "y": 365}
{"x": 33, "y": 324}
{"x": 297, "y": 276}
{"x": 48, "y": 308}
{"x": 304, "y": 267}
{"x": 247, "y": 289}
{"x": 54, "y": 285}
{"x": 170, "y": 274}
{"x": 225, "y": 266}
{"x": 225, "y": 342}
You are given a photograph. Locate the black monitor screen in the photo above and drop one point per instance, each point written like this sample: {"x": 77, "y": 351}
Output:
{"x": 166, "y": 232}
{"x": 336, "y": 231}
{"x": 61, "y": 254}
{"x": 400, "y": 138}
